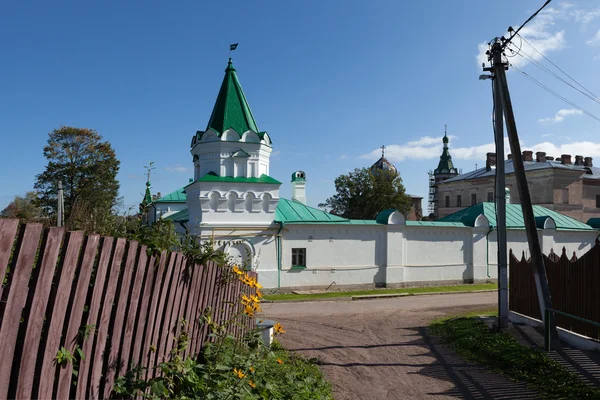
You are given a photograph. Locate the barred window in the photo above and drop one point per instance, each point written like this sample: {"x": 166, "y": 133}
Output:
{"x": 298, "y": 257}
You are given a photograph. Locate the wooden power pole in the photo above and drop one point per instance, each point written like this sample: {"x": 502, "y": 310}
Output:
{"x": 541, "y": 280}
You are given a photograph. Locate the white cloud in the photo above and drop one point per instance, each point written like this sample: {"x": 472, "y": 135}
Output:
{"x": 428, "y": 140}
{"x": 424, "y": 148}
{"x": 585, "y": 17}
{"x": 343, "y": 157}
{"x": 594, "y": 40}
{"x": 276, "y": 153}
{"x": 560, "y": 116}
{"x": 541, "y": 32}
{"x": 587, "y": 149}
{"x": 177, "y": 168}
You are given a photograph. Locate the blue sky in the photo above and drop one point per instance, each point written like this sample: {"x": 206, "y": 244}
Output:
{"x": 331, "y": 81}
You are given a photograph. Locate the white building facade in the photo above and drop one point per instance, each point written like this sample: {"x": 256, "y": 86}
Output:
{"x": 233, "y": 200}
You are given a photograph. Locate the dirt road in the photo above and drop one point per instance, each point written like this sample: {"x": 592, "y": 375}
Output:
{"x": 379, "y": 349}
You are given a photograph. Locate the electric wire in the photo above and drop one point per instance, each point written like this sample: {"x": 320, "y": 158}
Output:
{"x": 558, "y": 68}
{"x": 569, "y": 102}
{"x": 525, "y": 23}
{"x": 532, "y": 60}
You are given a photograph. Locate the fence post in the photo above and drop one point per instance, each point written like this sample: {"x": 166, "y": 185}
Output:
{"x": 547, "y": 334}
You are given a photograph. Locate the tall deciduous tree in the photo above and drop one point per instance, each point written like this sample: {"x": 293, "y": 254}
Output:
{"x": 24, "y": 208}
{"x": 362, "y": 194}
{"x": 87, "y": 167}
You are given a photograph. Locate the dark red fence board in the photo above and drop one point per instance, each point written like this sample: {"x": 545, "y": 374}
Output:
{"x": 77, "y": 309}
{"x": 16, "y": 299}
{"x": 93, "y": 312}
{"x": 135, "y": 301}
{"x": 132, "y": 313}
{"x": 33, "y": 332}
{"x": 122, "y": 301}
{"x": 8, "y": 230}
{"x": 103, "y": 324}
{"x": 69, "y": 263}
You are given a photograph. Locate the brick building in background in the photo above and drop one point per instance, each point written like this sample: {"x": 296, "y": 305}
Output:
{"x": 571, "y": 187}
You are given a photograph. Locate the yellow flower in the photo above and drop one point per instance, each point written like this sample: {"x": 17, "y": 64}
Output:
{"x": 259, "y": 294}
{"x": 249, "y": 311}
{"x": 252, "y": 385}
{"x": 251, "y": 369}
{"x": 239, "y": 373}
{"x": 279, "y": 361}
{"x": 254, "y": 299}
{"x": 246, "y": 300}
{"x": 237, "y": 270}
{"x": 278, "y": 328}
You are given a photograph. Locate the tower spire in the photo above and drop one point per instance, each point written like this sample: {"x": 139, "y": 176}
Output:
{"x": 382, "y": 150}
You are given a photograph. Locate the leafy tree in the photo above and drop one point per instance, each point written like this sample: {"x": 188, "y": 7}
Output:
{"x": 362, "y": 194}
{"x": 87, "y": 167}
{"x": 23, "y": 208}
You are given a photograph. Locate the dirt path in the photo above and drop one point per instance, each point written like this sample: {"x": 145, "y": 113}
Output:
{"x": 379, "y": 349}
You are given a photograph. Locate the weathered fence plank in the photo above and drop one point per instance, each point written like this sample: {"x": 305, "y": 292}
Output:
{"x": 122, "y": 301}
{"x": 77, "y": 309}
{"x": 94, "y": 310}
{"x": 104, "y": 322}
{"x": 68, "y": 265}
{"x": 132, "y": 313}
{"x": 8, "y": 230}
{"x": 33, "y": 332}
{"x": 17, "y": 296}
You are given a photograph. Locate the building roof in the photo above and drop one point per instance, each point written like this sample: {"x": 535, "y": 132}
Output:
{"x": 231, "y": 109}
{"x": 445, "y": 166}
{"x": 182, "y": 216}
{"x": 592, "y": 172}
{"x": 177, "y": 196}
{"x": 212, "y": 177}
{"x": 383, "y": 165}
{"x": 147, "y": 196}
{"x": 514, "y": 217}
{"x": 293, "y": 212}
{"x": 290, "y": 211}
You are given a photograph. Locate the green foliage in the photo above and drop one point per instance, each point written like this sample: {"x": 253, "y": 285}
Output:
{"x": 24, "y": 208}
{"x": 64, "y": 356}
{"x": 228, "y": 367}
{"x": 362, "y": 194}
{"x": 473, "y": 340}
{"x": 231, "y": 370}
{"x": 88, "y": 169}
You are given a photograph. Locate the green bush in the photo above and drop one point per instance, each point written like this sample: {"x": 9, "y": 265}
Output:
{"x": 230, "y": 368}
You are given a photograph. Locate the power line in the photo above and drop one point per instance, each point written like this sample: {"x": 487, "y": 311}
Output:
{"x": 557, "y": 67}
{"x": 569, "y": 102}
{"x": 525, "y": 23}
{"x": 532, "y": 60}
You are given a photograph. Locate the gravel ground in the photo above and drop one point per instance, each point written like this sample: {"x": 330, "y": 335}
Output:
{"x": 379, "y": 349}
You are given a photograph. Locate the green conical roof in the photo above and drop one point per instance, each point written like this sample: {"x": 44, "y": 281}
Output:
{"x": 445, "y": 166}
{"x": 147, "y": 198}
{"x": 231, "y": 108}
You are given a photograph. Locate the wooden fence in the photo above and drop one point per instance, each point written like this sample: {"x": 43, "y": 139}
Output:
{"x": 59, "y": 285}
{"x": 574, "y": 288}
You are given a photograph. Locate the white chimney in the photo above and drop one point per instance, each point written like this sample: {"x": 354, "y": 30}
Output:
{"x": 299, "y": 187}
{"x": 507, "y": 195}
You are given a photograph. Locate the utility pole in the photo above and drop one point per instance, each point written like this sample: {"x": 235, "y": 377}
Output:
{"x": 60, "y": 214}
{"x": 537, "y": 259}
{"x": 500, "y": 204}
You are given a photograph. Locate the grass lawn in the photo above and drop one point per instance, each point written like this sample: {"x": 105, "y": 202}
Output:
{"x": 500, "y": 352}
{"x": 430, "y": 289}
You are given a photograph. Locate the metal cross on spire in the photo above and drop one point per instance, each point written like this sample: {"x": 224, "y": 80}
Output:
{"x": 382, "y": 150}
